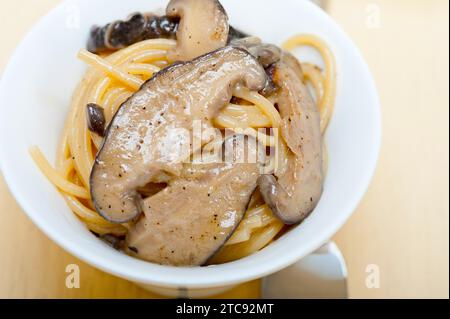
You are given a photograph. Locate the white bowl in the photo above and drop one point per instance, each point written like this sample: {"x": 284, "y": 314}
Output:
{"x": 35, "y": 93}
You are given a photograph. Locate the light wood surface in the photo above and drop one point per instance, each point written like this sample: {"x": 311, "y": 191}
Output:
{"x": 401, "y": 226}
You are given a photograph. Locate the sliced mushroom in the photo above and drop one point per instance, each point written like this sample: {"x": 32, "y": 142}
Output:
{"x": 95, "y": 119}
{"x": 137, "y": 27}
{"x": 295, "y": 193}
{"x": 203, "y": 27}
{"x": 292, "y": 62}
{"x": 187, "y": 223}
{"x": 267, "y": 54}
{"x": 151, "y": 131}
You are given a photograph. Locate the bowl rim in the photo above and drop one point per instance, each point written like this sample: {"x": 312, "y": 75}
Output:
{"x": 198, "y": 277}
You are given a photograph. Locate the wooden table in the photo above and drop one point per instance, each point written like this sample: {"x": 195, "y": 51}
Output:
{"x": 401, "y": 225}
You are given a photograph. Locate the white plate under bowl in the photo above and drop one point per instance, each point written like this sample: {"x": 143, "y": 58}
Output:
{"x": 35, "y": 93}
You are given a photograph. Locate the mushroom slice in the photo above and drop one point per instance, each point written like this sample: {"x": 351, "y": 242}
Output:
{"x": 151, "y": 131}
{"x": 296, "y": 192}
{"x": 187, "y": 223}
{"x": 137, "y": 27}
{"x": 292, "y": 62}
{"x": 267, "y": 54}
{"x": 95, "y": 117}
{"x": 203, "y": 27}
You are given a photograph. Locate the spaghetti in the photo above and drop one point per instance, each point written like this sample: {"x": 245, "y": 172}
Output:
{"x": 112, "y": 79}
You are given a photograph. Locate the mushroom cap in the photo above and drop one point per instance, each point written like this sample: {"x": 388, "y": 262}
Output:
{"x": 294, "y": 194}
{"x": 203, "y": 27}
{"x": 150, "y": 134}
